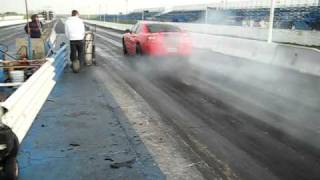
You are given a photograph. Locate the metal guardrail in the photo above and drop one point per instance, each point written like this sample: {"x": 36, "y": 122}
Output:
{"x": 60, "y": 62}
{"x": 24, "y": 104}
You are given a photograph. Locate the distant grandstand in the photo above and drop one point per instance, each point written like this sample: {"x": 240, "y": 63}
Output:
{"x": 289, "y": 14}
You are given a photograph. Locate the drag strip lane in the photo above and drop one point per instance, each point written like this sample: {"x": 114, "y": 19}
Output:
{"x": 274, "y": 95}
{"x": 266, "y": 145}
{"x": 229, "y": 141}
{"x": 115, "y": 43}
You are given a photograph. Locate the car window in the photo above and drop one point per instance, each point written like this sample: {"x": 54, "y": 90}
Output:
{"x": 154, "y": 28}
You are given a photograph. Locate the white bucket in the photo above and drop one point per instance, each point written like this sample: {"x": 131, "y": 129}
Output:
{"x": 17, "y": 76}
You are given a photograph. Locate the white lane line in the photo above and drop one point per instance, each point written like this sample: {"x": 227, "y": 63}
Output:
{"x": 113, "y": 42}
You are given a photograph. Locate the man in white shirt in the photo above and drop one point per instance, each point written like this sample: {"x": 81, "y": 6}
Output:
{"x": 75, "y": 32}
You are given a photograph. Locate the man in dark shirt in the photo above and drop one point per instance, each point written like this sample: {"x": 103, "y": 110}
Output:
{"x": 34, "y": 27}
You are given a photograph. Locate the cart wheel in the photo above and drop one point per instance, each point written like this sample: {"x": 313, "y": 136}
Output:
{"x": 10, "y": 169}
{"x": 15, "y": 148}
{"x": 88, "y": 62}
{"x": 138, "y": 50}
{"x": 76, "y": 66}
{"x": 124, "y": 48}
{"x": 10, "y": 142}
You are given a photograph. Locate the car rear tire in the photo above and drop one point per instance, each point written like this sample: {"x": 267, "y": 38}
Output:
{"x": 125, "y": 51}
{"x": 76, "y": 66}
{"x": 9, "y": 166}
{"x": 9, "y": 149}
{"x": 10, "y": 169}
{"x": 138, "y": 50}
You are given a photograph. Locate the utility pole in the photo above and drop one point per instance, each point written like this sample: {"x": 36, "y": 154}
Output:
{"x": 88, "y": 13}
{"x": 99, "y": 12}
{"x": 104, "y": 16}
{"x": 270, "y": 33}
{"x": 29, "y": 35}
{"x": 127, "y": 4}
{"x": 142, "y": 15}
{"x": 27, "y": 11}
{"x": 206, "y": 16}
{"x": 207, "y": 13}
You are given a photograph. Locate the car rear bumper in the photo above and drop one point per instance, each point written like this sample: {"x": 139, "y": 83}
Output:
{"x": 153, "y": 50}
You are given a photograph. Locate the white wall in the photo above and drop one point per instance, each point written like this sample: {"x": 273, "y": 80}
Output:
{"x": 5, "y": 18}
{"x": 302, "y": 59}
{"x": 11, "y": 22}
{"x": 308, "y": 38}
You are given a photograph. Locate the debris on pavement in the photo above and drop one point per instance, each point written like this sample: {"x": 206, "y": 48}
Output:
{"x": 74, "y": 144}
{"x": 127, "y": 164}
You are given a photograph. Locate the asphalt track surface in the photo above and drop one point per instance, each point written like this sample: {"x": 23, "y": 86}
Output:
{"x": 245, "y": 120}
{"x": 242, "y": 120}
{"x": 11, "y": 32}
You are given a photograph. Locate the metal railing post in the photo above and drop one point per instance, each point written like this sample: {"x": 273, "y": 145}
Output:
{"x": 206, "y": 16}
{"x": 1, "y": 53}
{"x": 270, "y": 33}
{"x": 142, "y": 15}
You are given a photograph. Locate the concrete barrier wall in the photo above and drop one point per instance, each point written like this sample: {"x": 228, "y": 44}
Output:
{"x": 244, "y": 48}
{"x": 302, "y": 59}
{"x": 115, "y": 26}
{"x": 11, "y": 22}
{"x": 298, "y": 58}
{"x": 11, "y": 18}
{"x": 307, "y": 38}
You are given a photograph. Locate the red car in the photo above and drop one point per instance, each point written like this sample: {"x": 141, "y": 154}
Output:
{"x": 156, "y": 39}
